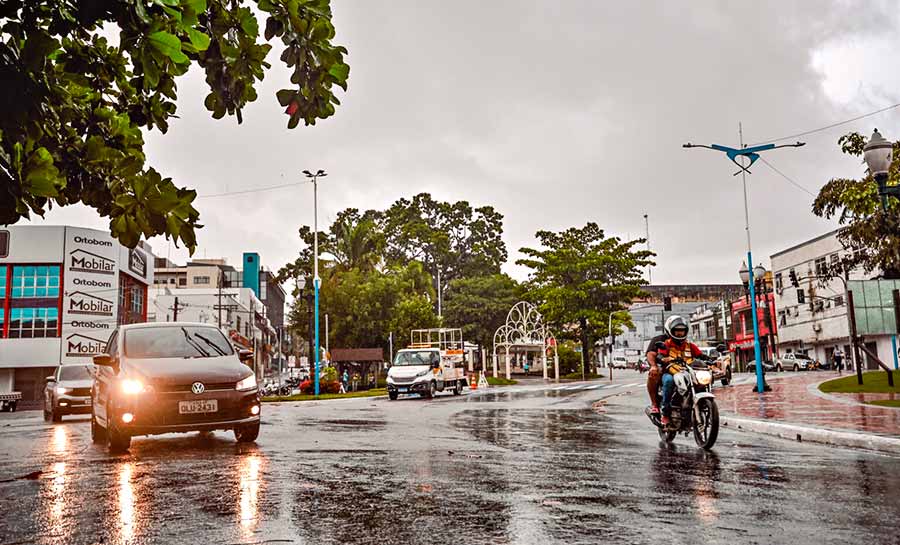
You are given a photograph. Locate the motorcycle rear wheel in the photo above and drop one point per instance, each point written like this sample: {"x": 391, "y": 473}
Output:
{"x": 706, "y": 428}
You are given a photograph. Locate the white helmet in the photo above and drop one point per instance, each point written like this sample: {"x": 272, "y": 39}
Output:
{"x": 677, "y": 322}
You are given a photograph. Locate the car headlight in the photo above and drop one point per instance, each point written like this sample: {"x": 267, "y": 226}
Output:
{"x": 133, "y": 386}
{"x": 248, "y": 383}
{"x": 704, "y": 377}
{"x": 423, "y": 373}
{"x": 62, "y": 390}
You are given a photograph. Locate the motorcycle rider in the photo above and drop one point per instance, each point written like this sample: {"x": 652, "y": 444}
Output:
{"x": 675, "y": 345}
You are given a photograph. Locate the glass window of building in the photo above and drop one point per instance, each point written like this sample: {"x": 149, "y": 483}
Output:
{"x": 33, "y": 323}
{"x": 201, "y": 280}
{"x": 137, "y": 300}
{"x": 2, "y": 282}
{"x": 821, "y": 266}
{"x": 35, "y": 281}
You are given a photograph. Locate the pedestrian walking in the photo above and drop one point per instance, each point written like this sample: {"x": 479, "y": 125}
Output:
{"x": 838, "y": 360}
{"x": 345, "y": 381}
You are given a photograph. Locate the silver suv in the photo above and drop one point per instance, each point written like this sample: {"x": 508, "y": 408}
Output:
{"x": 68, "y": 391}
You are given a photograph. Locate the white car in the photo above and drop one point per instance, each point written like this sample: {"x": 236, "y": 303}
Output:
{"x": 794, "y": 362}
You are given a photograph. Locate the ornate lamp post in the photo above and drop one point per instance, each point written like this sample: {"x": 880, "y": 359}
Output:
{"x": 754, "y": 286}
{"x": 879, "y": 154}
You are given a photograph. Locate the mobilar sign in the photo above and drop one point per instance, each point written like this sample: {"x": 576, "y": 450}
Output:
{"x": 83, "y": 346}
{"x": 88, "y": 262}
{"x": 91, "y": 305}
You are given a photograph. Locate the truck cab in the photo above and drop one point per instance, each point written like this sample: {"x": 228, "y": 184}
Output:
{"x": 434, "y": 362}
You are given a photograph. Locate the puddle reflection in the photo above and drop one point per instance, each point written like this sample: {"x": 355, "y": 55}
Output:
{"x": 58, "y": 494}
{"x": 60, "y": 439}
{"x": 126, "y": 503}
{"x": 249, "y": 495}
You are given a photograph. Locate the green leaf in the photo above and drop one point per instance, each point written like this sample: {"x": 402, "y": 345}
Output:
{"x": 285, "y": 96}
{"x": 169, "y": 45}
{"x": 41, "y": 176}
{"x": 340, "y": 71}
{"x": 198, "y": 39}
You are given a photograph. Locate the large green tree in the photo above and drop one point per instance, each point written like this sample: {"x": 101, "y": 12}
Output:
{"x": 869, "y": 232}
{"x": 454, "y": 239}
{"x": 580, "y": 276}
{"x": 74, "y": 103}
{"x": 479, "y": 305}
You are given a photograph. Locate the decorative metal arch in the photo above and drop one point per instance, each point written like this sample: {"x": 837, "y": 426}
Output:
{"x": 524, "y": 328}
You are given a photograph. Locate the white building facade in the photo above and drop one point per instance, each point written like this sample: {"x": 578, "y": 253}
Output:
{"x": 63, "y": 290}
{"x": 812, "y": 317}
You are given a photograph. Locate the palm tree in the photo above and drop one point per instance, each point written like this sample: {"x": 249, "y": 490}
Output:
{"x": 357, "y": 242}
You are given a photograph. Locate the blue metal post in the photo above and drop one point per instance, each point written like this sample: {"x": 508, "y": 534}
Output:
{"x": 760, "y": 381}
{"x": 896, "y": 356}
{"x": 316, "y": 283}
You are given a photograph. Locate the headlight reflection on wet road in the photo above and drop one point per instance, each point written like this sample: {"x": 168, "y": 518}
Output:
{"x": 126, "y": 503}
{"x": 58, "y": 494}
{"x": 249, "y": 496}
{"x": 60, "y": 439}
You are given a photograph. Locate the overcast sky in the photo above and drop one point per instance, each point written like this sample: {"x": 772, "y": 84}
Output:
{"x": 556, "y": 113}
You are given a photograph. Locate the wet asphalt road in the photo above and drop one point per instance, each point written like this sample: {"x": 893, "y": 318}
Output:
{"x": 530, "y": 465}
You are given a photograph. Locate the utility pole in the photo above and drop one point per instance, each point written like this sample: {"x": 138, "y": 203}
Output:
{"x": 219, "y": 282}
{"x": 439, "y": 294}
{"x": 326, "y": 335}
{"x": 316, "y": 281}
{"x": 175, "y": 309}
{"x": 647, "y": 228}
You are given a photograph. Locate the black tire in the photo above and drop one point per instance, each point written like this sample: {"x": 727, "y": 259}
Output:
{"x": 707, "y": 430}
{"x": 727, "y": 379}
{"x": 457, "y": 390}
{"x": 796, "y": 367}
{"x": 432, "y": 390}
{"x": 247, "y": 433}
{"x": 392, "y": 396}
{"x": 666, "y": 435}
{"x": 55, "y": 415}
{"x": 47, "y": 415}
{"x": 98, "y": 432}
{"x": 116, "y": 440}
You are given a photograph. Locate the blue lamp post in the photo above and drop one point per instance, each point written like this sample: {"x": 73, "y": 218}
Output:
{"x": 316, "y": 280}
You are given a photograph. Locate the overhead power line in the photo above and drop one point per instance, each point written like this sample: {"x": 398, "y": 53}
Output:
{"x": 246, "y": 191}
{"x": 786, "y": 177}
{"x": 826, "y": 127}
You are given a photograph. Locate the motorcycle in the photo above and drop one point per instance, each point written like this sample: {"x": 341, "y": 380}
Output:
{"x": 694, "y": 407}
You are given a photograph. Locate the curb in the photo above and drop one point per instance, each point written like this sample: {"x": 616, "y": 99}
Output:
{"x": 813, "y": 388}
{"x": 793, "y": 432}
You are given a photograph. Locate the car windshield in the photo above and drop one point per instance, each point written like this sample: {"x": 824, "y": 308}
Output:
{"x": 417, "y": 357}
{"x": 75, "y": 372}
{"x": 176, "y": 342}
{"x": 802, "y": 357}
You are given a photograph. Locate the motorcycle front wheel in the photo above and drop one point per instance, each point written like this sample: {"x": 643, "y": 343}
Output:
{"x": 706, "y": 426}
{"x": 666, "y": 435}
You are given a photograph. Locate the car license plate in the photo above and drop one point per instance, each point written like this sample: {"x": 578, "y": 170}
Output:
{"x": 401, "y": 390}
{"x": 198, "y": 406}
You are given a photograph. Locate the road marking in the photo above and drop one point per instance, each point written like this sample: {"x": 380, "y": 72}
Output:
{"x": 595, "y": 386}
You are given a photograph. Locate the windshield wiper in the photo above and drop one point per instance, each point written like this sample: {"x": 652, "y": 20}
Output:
{"x": 194, "y": 345}
{"x": 212, "y": 344}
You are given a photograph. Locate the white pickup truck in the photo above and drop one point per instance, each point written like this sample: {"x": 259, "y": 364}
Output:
{"x": 434, "y": 362}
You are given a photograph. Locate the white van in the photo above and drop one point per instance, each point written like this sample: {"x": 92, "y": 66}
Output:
{"x": 433, "y": 362}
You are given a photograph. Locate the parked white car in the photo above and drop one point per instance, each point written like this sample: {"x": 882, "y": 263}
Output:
{"x": 794, "y": 362}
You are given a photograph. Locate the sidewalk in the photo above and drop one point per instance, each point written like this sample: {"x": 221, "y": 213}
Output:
{"x": 796, "y": 409}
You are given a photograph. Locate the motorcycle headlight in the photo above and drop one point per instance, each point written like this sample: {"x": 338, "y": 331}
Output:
{"x": 248, "y": 383}
{"x": 704, "y": 377}
{"x": 61, "y": 390}
{"x": 132, "y": 386}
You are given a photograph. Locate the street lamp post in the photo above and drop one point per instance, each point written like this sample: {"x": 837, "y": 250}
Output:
{"x": 755, "y": 286}
{"x": 879, "y": 154}
{"x": 316, "y": 281}
{"x": 308, "y": 296}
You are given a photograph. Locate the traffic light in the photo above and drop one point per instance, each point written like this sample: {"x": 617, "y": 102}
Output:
{"x": 667, "y": 303}
{"x": 794, "y": 281}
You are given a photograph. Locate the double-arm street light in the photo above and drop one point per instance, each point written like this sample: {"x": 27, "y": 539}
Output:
{"x": 316, "y": 281}
{"x": 750, "y": 154}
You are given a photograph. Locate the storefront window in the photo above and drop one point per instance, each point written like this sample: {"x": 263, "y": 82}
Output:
{"x": 35, "y": 281}
{"x": 2, "y": 282}
{"x": 33, "y": 323}
{"x": 137, "y": 301}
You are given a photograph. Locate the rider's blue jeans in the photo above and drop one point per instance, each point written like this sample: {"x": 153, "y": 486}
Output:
{"x": 668, "y": 388}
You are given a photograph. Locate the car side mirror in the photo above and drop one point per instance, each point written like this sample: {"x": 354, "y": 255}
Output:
{"x": 436, "y": 365}
{"x": 722, "y": 348}
{"x": 245, "y": 355}
{"x": 387, "y": 365}
{"x": 50, "y": 379}
{"x": 104, "y": 360}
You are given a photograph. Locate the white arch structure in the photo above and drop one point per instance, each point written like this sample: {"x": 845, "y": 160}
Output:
{"x": 525, "y": 328}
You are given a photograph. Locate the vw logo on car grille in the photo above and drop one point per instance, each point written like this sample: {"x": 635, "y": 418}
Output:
{"x": 198, "y": 387}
